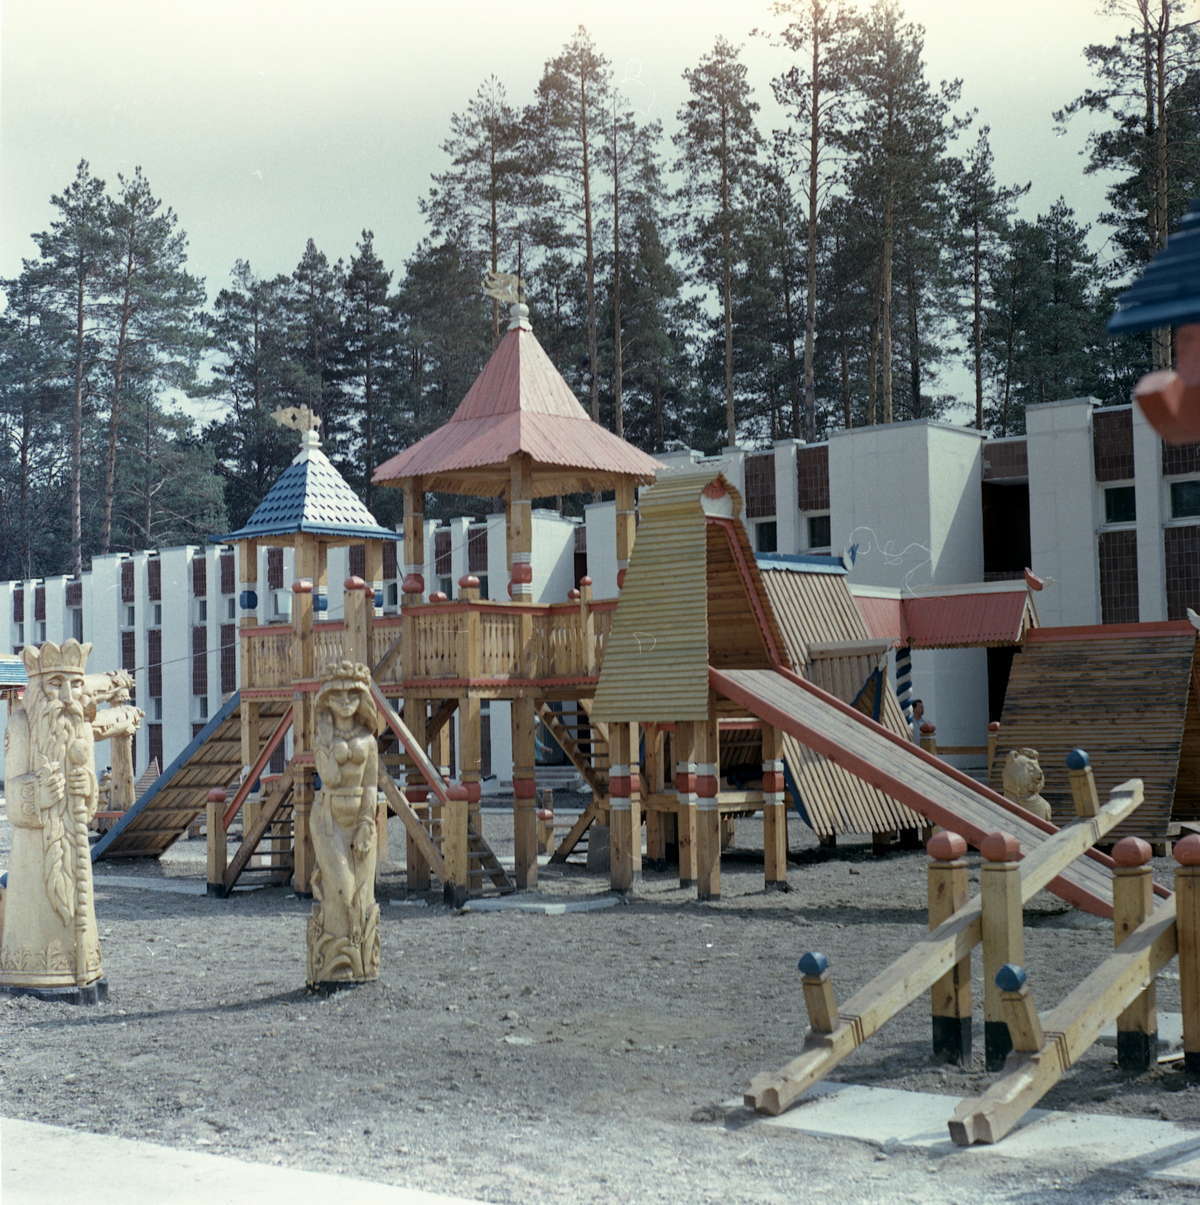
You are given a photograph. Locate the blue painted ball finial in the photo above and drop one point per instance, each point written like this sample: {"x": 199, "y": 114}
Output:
{"x": 1011, "y": 978}
{"x": 813, "y": 964}
{"x": 1078, "y": 759}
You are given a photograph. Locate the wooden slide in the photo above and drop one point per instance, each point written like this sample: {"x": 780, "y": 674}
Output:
{"x": 938, "y": 791}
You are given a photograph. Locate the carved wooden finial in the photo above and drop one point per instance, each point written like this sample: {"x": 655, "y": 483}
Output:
{"x": 302, "y": 419}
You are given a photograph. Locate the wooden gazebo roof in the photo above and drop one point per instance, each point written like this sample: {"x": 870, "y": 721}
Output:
{"x": 518, "y": 405}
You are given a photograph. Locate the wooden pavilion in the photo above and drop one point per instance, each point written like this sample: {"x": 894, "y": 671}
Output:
{"x": 519, "y": 434}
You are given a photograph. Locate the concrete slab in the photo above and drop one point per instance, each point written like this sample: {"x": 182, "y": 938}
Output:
{"x": 546, "y": 907}
{"x": 42, "y": 1163}
{"x": 891, "y": 1118}
{"x": 145, "y": 883}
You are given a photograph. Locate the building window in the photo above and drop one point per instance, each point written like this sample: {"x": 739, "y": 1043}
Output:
{"x": 202, "y": 707}
{"x": 1185, "y": 499}
{"x": 231, "y": 608}
{"x": 1120, "y": 504}
{"x": 41, "y": 631}
{"x": 819, "y": 534}
{"x": 201, "y": 611}
{"x": 393, "y": 594}
{"x": 77, "y": 623}
{"x": 130, "y": 617}
{"x": 483, "y": 585}
{"x": 446, "y": 586}
{"x": 765, "y": 537}
{"x": 155, "y": 708}
{"x": 156, "y": 615}
{"x": 282, "y": 603}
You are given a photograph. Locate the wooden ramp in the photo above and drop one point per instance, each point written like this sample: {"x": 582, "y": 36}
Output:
{"x": 907, "y": 773}
{"x": 213, "y": 758}
{"x": 1124, "y": 692}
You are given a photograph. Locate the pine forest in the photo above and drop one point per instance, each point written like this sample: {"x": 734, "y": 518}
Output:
{"x": 706, "y": 281}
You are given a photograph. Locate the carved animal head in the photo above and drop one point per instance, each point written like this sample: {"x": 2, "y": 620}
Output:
{"x": 1023, "y": 775}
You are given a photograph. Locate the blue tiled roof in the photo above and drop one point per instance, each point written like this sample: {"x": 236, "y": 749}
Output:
{"x": 310, "y": 495}
{"x": 1167, "y": 293}
{"x": 801, "y": 562}
{"x": 12, "y": 671}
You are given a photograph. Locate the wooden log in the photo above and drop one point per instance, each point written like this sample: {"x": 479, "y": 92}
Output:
{"x": 1133, "y": 901}
{"x": 524, "y": 792}
{"x": 456, "y": 883}
{"x": 950, "y": 996}
{"x": 1187, "y": 903}
{"x": 708, "y": 814}
{"x": 1069, "y": 1030}
{"x": 1003, "y": 936}
{"x": 775, "y": 836}
{"x": 1083, "y": 783}
{"x": 685, "y": 792}
{"x": 622, "y": 744}
{"x": 924, "y": 963}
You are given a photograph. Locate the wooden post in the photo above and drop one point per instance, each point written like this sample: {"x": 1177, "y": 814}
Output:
{"x": 685, "y": 792}
{"x": 248, "y": 602}
{"x": 303, "y": 858}
{"x": 1020, "y": 1012}
{"x": 819, "y": 999}
{"x": 929, "y": 738}
{"x": 524, "y": 793}
{"x": 359, "y": 601}
{"x": 456, "y": 848}
{"x": 1003, "y": 936}
{"x": 656, "y": 829}
{"x": 217, "y": 853}
{"x": 1083, "y": 784}
{"x": 121, "y": 798}
{"x": 993, "y": 742}
{"x": 1187, "y": 919}
{"x": 708, "y": 814}
{"x": 587, "y": 626}
{"x": 626, "y": 526}
{"x": 418, "y": 873}
{"x": 623, "y": 867}
{"x": 950, "y": 996}
{"x": 1133, "y": 901}
{"x": 775, "y": 835}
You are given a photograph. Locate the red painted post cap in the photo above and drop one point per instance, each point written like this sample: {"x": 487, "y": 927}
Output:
{"x": 216, "y": 795}
{"x": 1000, "y": 847}
{"x": 1132, "y": 851}
{"x": 994, "y": 726}
{"x": 946, "y": 846}
{"x": 468, "y": 581}
{"x": 458, "y": 792}
{"x": 438, "y": 596}
{"x": 303, "y": 586}
{"x": 413, "y": 583}
{"x": 585, "y": 580}
{"x": 354, "y": 583}
{"x": 574, "y": 595}
{"x": 1187, "y": 851}
{"x": 928, "y": 729}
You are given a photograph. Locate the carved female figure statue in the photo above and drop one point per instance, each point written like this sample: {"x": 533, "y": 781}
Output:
{"x": 343, "y": 931}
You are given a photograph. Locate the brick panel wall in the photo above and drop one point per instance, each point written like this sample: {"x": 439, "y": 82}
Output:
{"x": 199, "y": 661}
{"x": 760, "y": 486}
{"x": 39, "y": 602}
{"x": 199, "y": 577}
{"x": 1181, "y": 549}
{"x": 154, "y": 661}
{"x": 228, "y": 573}
{"x": 1005, "y": 460}
{"x": 129, "y": 650}
{"x": 154, "y": 579}
{"x": 477, "y": 547}
{"x": 228, "y": 657}
{"x": 1112, "y": 444}
{"x": 127, "y": 581}
{"x": 274, "y": 568}
{"x": 812, "y": 478}
{"x": 441, "y": 552}
{"x": 1180, "y": 458}
{"x": 1118, "y": 577}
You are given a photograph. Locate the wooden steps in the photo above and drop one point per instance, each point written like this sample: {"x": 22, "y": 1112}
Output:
{"x": 584, "y": 741}
{"x": 272, "y": 828}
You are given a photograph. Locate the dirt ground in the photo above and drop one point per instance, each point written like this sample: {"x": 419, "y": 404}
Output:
{"x": 514, "y": 1057}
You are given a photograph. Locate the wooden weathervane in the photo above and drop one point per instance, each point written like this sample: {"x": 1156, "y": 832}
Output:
{"x": 504, "y": 286}
{"x": 299, "y": 418}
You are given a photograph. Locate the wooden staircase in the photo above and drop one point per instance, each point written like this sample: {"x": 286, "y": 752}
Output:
{"x": 585, "y": 743}
{"x": 269, "y": 835}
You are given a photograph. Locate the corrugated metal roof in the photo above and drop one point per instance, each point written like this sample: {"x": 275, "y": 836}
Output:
{"x": 310, "y": 495}
{"x": 967, "y": 620}
{"x": 12, "y": 671}
{"x": 941, "y": 621}
{"x": 518, "y": 403}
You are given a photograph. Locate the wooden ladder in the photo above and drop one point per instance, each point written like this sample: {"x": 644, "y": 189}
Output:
{"x": 272, "y": 829}
{"x": 585, "y": 742}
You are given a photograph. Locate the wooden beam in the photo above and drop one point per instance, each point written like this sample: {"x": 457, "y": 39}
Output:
{"x": 950, "y": 996}
{"x": 416, "y": 831}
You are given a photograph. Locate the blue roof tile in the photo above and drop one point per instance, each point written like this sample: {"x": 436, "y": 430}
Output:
{"x": 310, "y": 495}
{"x": 12, "y": 671}
{"x": 1167, "y": 292}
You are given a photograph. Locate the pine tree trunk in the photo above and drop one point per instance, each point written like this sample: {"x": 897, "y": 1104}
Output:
{"x": 847, "y": 405}
{"x": 77, "y": 440}
{"x": 493, "y": 231}
{"x": 810, "y": 293}
{"x": 590, "y": 258}
{"x": 914, "y": 340}
{"x": 618, "y": 351}
{"x": 727, "y": 283}
{"x": 885, "y": 309}
{"x": 977, "y": 318}
{"x": 1161, "y": 338}
{"x": 114, "y": 413}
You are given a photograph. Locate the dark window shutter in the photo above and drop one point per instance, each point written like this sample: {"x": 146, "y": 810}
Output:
{"x": 199, "y": 576}
{"x": 390, "y": 566}
{"x": 1112, "y": 444}
{"x": 18, "y": 606}
{"x": 154, "y": 661}
{"x": 358, "y": 560}
{"x": 1119, "y": 577}
{"x": 274, "y": 568}
{"x": 441, "y": 552}
{"x": 228, "y": 658}
{"x": 199, "y": 661}
{"x": 74, "y": 594}
{"x": 812, "y": 478}
{"x": 39, "y": 602}
{"x": 128, "y": 651}
{"x": 760, "y": 486}
{"x": 127, "y": 581}
{"x": 477, "y": 548}
{"x": 228, "y": 573}
{"x": 154, "y": 741}
{"x": 154, "y": 579}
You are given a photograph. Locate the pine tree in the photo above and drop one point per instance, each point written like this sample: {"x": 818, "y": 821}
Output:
{"x": 719, "y": 144}
{"x": 151, "y": 313}
{"x": 568, "y": 121}
{"x": 813, "y": 92}
{"x": 983, "y": 210}
{"x": 1149, "y": 97}
{"x": 369, "y": 347}
{"x": 897, "y": 147}
{"x": 69, "y": 278}
{"x": 314, "y": 303}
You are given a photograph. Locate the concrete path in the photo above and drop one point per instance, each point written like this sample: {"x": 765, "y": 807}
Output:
{"x": 892, "y": 1119}
{"x": 42, "y": 1164}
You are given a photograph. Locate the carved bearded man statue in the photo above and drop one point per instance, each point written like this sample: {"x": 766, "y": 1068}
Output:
{"x": 49, "y": 945}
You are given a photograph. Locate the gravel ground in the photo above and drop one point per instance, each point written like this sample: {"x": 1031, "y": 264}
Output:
{"x": 518, "y": 1057}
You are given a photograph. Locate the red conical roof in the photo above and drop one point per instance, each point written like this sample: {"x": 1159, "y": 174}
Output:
{"x": 519, "y": 403}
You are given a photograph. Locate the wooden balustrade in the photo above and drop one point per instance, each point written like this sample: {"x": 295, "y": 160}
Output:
{"x": 567, "y": 642}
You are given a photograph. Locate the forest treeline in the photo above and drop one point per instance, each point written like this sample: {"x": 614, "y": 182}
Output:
{"x": 716, "y": 281}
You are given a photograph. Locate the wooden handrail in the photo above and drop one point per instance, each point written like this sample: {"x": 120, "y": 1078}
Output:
{"x": 260, "y": 764}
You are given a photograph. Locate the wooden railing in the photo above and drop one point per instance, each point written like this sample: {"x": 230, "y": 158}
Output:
{"x": 566, "y": 641}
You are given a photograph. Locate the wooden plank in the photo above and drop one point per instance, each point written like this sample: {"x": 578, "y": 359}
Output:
{"x": 416, "y": 831}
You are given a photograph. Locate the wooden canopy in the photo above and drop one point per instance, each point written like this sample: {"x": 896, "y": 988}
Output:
{"x": 519, "y": 406}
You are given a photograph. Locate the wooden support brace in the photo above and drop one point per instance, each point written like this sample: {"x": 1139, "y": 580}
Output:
{"x": 1083, "y": 784}
{"x": 456, "y": 886}
{"x": 1020, "y": 1013}
{"x": 708, "y": 814}
{"x": 819, "y": 999}
{"x": 685, "y": 791}
{"x": 775, "y": 839}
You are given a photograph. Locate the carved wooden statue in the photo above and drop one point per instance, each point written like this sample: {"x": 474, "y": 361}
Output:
{"x": 49, "y": 945}
{"x": 1023, "y": 779}
{"x": 343, "y": 931}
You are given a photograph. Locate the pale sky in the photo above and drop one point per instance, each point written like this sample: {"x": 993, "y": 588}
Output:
{"x": 264, "y": 122}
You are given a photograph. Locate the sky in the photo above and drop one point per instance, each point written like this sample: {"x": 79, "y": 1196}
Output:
{"x": 266, "y": 122}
